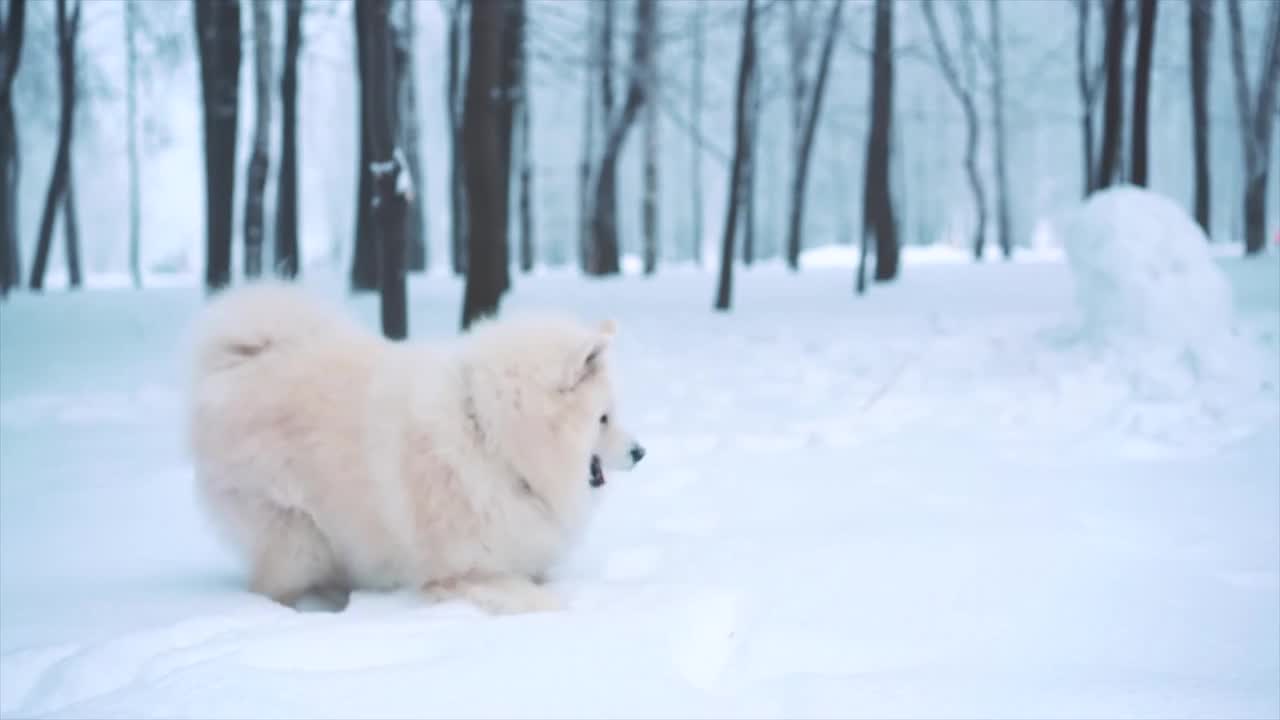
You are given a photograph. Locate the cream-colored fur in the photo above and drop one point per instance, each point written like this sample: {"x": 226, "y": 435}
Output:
{"x": 333, "y": 458}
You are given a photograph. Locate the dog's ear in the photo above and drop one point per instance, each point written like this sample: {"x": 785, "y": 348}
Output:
{"x": 585, "y": 361}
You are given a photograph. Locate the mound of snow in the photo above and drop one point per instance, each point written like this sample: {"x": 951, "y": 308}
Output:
{"x": 1148, "y": 286}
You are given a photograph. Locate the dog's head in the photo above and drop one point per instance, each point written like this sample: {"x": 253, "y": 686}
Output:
{"x": 545, "y": 385}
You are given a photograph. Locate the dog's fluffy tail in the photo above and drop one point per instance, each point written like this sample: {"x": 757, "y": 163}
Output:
{"x": 242, "y": 324}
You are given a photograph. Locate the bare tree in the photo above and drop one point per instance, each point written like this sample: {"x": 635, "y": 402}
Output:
{"x": 1112, "y": 111}
{"x": 588, "y": 143}
{"x": 800, "y": 176}
{"x": 1200, "y": 13}
{"x": 1089, "y": 76}
{"x": 389, "y": 180}
{"x": 67, "y": 29}
{"x": 487, "y": 182}
{"x": 256, "y": 181}
{"x": 131, "y": 117}
{"x": 748, "y": 204}
{"x": 513, "y": 29}
{"x": 12, "y": 29}
{"x": 218, "y": 38}
{"x": 962, "y": 88}
{"x": 746, "y": 67}
{"x": 649, "y": 211}
{"x": 1004, "y": 219}
{"x": 407, "y": 97}
{"x": 878, "y": 222}
{"x": 457, "y": 185}
{"x": 286, "y": 254}
{"x": 1142, "y": 92}
{"x": 525, "y": 110}
{"x": 364, "y": 257}
{"x": 695, "y": 115}
{"x": 1256, "y": 116}
{"x": 604, "y": 257}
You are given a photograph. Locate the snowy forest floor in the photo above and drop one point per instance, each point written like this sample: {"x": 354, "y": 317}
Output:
{"x": 934, "y": 501}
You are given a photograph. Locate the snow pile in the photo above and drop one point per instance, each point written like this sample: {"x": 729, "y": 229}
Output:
{"x": 1151, "y": 294}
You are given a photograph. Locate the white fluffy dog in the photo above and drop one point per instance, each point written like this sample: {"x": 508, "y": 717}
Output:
{"x": 336, "y": 460}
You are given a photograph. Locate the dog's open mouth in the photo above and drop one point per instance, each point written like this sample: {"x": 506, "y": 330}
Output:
{"x": 597, "y": 472}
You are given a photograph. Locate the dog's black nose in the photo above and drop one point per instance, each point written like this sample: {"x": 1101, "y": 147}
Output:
{"x": 637, "y": 453}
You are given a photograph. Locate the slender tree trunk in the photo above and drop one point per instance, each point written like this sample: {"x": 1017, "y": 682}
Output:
{"x": 748, "y": 204}
{"x": 12, "y": 30}
{"x": 416, "y": 245}
{"x": 487, "y": 182}
{"x": 1256, "y": 118}
{"x": 364, "y": 258}
{"x": 649, "y": 211}
{"x": 1004, "y": 220}
{"x": 218, "y": 38}
{"x": 1087, "y": 82}
{"x": 1142, "y": 91}
{"x": 588, "y": 143}
{"x": 67, "y": 29}
{"x": 602, "y": 255}
{"x": 131, "y": 113}
{"x": 746, "y": 67}
{"x": 387, "y": 173}
{"x": 1112, "y": 111}
{"x": 801, "y": 176}
{"x": 457, "y": 185}
{"x": 71, "y": 229}
{"x": 508, "y": 101}
{"x": 695, "y": 116}
{"x": 1200, "y": 13}
{"x": 960, "y": 88}
{"x": 256, "y": 183}
{"x": 286, "y": 254}
{"x": 604, "y": 224}
{"x": 526, "y": 162}
{"x": 878, "y": 221}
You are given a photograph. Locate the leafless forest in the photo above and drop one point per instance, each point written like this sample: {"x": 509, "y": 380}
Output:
{"x": 490, "y": 138}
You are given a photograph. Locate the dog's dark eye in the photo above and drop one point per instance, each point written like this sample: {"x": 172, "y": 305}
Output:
{"x": 604, "y": 419}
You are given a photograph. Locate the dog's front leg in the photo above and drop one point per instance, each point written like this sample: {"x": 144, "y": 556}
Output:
{"x": 506, "y": 594}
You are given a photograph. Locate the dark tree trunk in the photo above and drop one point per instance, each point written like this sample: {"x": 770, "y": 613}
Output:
{"x": 1088, "y": 78}
{"x": 1200, "y": 13}
{"x": 67, "y": 29}
{"x": 218, "y": 38}
{"x": 389, "y": 189}
{"x": 801, "y": 176}
{"x": 1256, "y": 117}
{"x": 604, "y": 258}
{"x": 649, "y": 210}
{"x": 695, "y": 117}
{"x": 526, "y": 160}
{"x": 878, "y": 222}
{"x": 602, "y": 250}
{"x": 457, "y": 189}
{"x": 746, "y": 67}
{"x": 286, "y": 255}
{"x": 256, "y": 181}
{"x": 507, "y": 101}
{"x": 748, "y": 204}
{"x": 588, "y": 143}
{"x": 487, "y": 182}
{"x": 1112, "y": 111}
{"x": 1004, "y": 220}
{"x": 364, "y": 258}
{"x": 416, "y": 257}
{"x": 12, "y": 29}
{"x": 71, "y": 230}
{"x": 1142, "y": 92}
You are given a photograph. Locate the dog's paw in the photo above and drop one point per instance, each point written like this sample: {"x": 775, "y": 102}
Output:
{"x": 507, "y": 595}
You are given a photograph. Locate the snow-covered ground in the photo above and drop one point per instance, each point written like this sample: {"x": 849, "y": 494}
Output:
{"x": 940, "y": 500}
